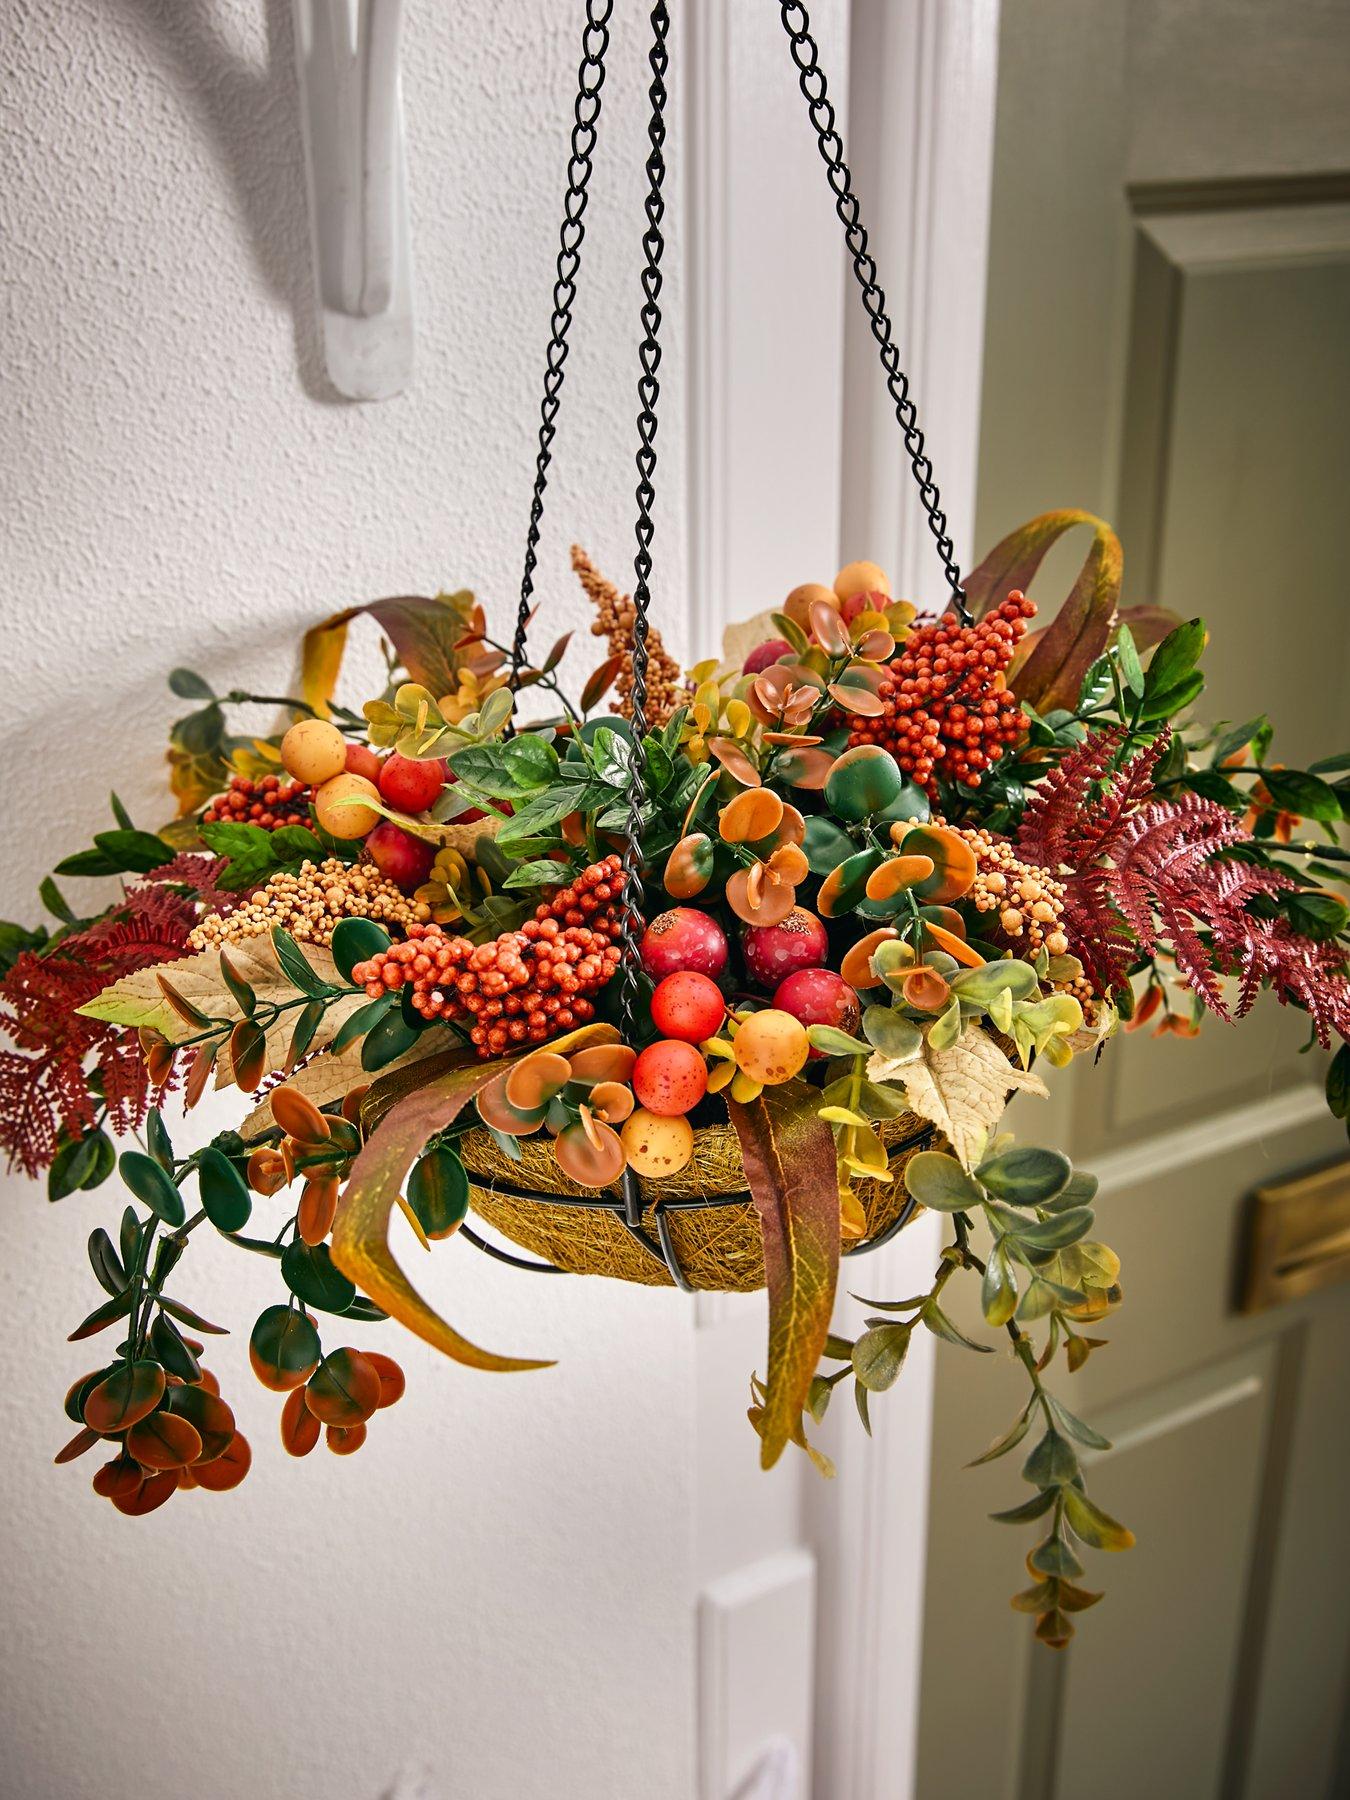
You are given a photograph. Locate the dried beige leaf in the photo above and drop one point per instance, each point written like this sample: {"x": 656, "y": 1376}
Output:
{"x": 138, "y": 1000}
{"x": 962, "y": 1090}
{"x": 328, "y": 1077}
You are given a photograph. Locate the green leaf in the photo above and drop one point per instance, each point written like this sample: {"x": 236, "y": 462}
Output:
{"x": 224, "y": 1193}
{"x": 56, "y": 904}
{"x": 941, "y": 1326}
{"x": 188, "y": 685}
{"x": 1169, "y": 701}
{"x": 1095, "y": 1527}
{"x": 658, "y": 769}
{"x": 193, "y": 1320}
{"x": 103, "y": 1316}
{"x": 892, "y": 1033}
{"x": 438, "y": 1191}
{"x": 532, "y": 761}
{"x": 938, "y": 1182}
{"x": 1054, "y": 1557}
{"x": 879, "y": 1355}
{"x": 998, "y": 1289}
{"x": 152, "y": 1186}
{"x": 1175, "y": 658}
{"x": 356, "y": 941}
{"x": 387, "y": 1040}
{"x": 1011, "y": 1438}
{"x": 1131, "y": 669}
{"x": 284, "y": 1342}
{"x": 72, "y": 1166}
{"x": 1025, "y": 1175}
{"x": 1291, "y": 790}
{"x": 295, "y": 966}
{"x": 157, "y": 1140}
{"x": 129, "y": 1236}
{"x": 860, "y": 1400}
{"x": 1315, "y": 914}
{"x": 544, "y": 873}
{"x": 1052, "y": 1463}
{"x": 1080, "y": 1432}
{"x": 825, "y": 845}
{"x": 103, "y": 1260}
{"x": 947, "y": 1027}
{"x": 310, "y": 1273}
{"x": 132, "y": 852}
{"x": 167, "y": 1343}
{"x": 296, "y": 844}
{"x": 1028, "y": 1510}
{"x": 1236, "y": 738}
{"x": 835, "y": 1042}
{"x": 1057, "y": 1231}
{"x": 308, "y": 1022}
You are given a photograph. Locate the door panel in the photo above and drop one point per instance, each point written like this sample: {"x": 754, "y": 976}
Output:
{"x": 1195, "y": 287}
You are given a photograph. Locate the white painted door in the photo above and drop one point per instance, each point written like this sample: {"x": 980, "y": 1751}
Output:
{"x": 1169, "y": 287}
{"x": 809, "y": 1591}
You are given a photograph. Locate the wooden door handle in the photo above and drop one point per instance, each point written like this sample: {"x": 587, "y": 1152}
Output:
{"x": 1298, "y": 1237}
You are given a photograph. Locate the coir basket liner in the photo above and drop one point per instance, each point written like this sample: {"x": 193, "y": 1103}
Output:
{"x": 700, "y": 1221}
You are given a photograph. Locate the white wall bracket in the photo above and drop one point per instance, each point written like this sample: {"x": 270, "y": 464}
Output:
{"x": 347, "y": 58}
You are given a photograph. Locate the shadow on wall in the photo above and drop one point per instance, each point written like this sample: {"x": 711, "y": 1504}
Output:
{"x": 249, "y": 116}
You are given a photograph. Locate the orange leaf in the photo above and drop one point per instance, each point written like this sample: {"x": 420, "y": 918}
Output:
{"x": 790, "y": 1167}
{"x": 1053, "y": 674}
{"x": 360, "y": 1241}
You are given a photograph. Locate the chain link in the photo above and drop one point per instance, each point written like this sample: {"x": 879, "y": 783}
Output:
{"x": 811, "y": 80}
{"x": 649, "y": 390}
{"x": 571, "y": 233}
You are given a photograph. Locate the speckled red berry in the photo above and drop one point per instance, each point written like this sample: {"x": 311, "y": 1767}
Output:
{"x": 774, "y": 951}
{"x": 362, "y": 760}
{"x": 410, "y": 785}
{"x": 820, "y": 997}
{"x": 688, "y": 1006}
{"x": 669, "y": 1078}
{"x": 683, "y": 938}
{"x": 399, "y": 856}
{"x": 764, "y": 654}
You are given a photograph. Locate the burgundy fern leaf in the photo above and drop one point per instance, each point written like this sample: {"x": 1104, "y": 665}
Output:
{"x": 1145, "y": 875}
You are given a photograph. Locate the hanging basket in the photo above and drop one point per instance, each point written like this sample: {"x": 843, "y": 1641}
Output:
{"x": 698, "y": 1229}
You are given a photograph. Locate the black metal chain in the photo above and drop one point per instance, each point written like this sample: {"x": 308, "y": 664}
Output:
{"x": 571, "y": 233}
{"x": 649, "y": 390}
{"x": 811, "y": 80}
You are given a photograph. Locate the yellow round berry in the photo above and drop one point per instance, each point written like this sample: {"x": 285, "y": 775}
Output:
{"x": 656, "y": 1146}
{"x": 313, "y": 751}
{"x": 334, "y": 812}
{"x": 861, "y": 578}
{"x": 771, "y": 1046}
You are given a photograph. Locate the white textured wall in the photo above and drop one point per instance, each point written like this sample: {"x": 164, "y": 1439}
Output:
{"x": 497, "y": 1588}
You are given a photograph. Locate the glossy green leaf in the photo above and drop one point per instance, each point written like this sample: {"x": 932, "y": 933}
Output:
{"x": 938, "y": 1182}
{"x": 356, "y": 941}
{"x": 438, "y": 1192}
{"x": 1052, "y": 1463}
{"x": 879, "y": 1355}
{"x": 104, "y": 1261}
{"x": 152, "y": 1186}
{"x": 167, "y": 1343}
{"x": 224, "y": 1193}
{"x": 295, "y": 966}
{"x": 1025, "y": 1175}
{"x": 310, "y": 1273}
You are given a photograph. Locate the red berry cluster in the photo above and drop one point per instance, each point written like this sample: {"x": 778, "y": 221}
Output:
{"x": 525, "y": 985}
{"x": 946, "y": 699}
{"x": 271, "y": 803}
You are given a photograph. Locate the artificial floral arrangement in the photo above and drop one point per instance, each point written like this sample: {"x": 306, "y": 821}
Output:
{"x": 885, "y": 871}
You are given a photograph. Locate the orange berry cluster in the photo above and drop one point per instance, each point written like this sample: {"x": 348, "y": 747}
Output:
{"x": 525, "y": 985}
{"x": 948, "y": 710}
{"x": 271, "y": 803}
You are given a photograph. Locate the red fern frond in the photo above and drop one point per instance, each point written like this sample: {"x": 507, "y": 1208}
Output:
{"x": 1145, "y": 875}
